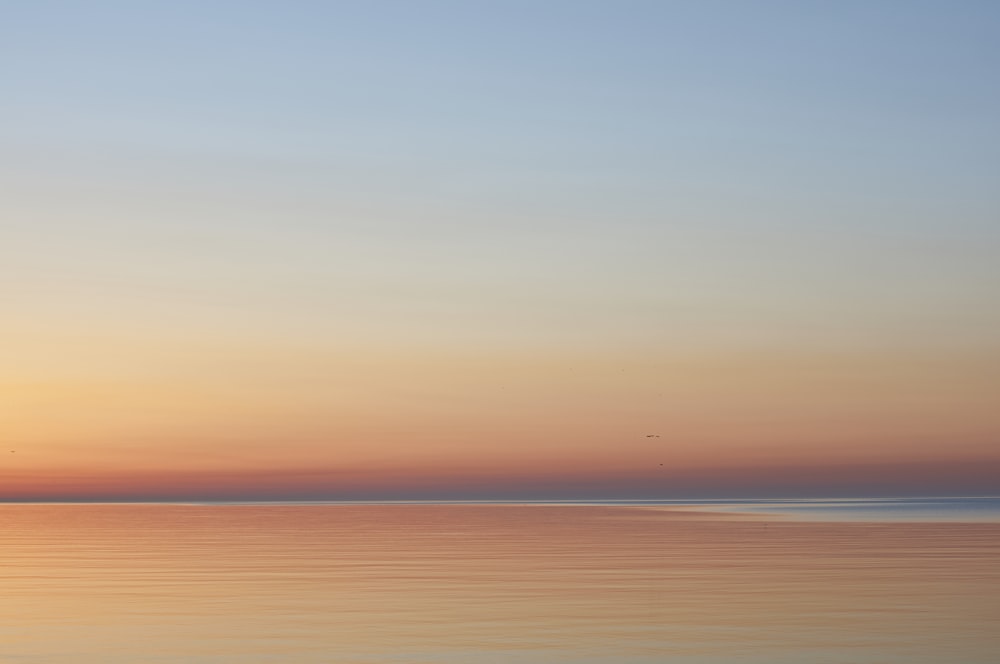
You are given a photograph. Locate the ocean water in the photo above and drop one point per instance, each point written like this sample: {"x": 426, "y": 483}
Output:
{"x": 774, "y": 582}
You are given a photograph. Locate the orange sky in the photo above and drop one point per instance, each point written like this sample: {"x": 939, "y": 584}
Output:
{"x": 205, "y": 420}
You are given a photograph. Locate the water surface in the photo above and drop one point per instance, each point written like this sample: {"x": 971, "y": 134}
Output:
{"x": 539, "y": 584}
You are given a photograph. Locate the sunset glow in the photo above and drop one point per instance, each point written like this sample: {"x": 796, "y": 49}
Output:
{"x": 312, "y": 253}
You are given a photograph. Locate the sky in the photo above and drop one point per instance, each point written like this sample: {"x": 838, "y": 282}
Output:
{"x": 391, "y": 249}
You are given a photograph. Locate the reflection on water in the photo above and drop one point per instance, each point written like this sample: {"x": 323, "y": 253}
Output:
{"x": 117, "y": 584}
{"x": 953, "y": 510}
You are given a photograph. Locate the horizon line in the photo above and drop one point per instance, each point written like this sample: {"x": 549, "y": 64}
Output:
{"x": 507, "y": 501}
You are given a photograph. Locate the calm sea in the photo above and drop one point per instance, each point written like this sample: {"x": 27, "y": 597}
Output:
{"x": 803, "y": 582}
